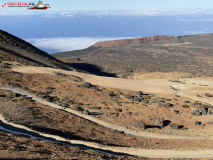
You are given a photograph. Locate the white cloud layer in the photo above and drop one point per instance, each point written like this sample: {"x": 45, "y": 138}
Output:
{"x": 195, "y": 32}
{"x": 150, "y": 12}
{"x": 62, "y": 44}
{"x": 197, "y": 20}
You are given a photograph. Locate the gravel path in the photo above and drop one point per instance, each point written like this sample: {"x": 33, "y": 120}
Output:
{"x": 152, "y": 153}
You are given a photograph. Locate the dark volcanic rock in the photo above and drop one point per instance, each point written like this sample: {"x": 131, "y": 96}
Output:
{"x": 139, "y": 93}
{"x": 130, "y": 96}
{"x": 159, "y": 122}
{"x": 197, "y": 123}
{"x": 111, "y": 94}
{"x": 168, "y": 105}
{"x": 87, "y": 85}
{"x": 140, "y": 124}
{"x": 196, "y": 113}
{"x": 202, "y": 110}
{"x": 86, "y": 112}
{"x": 137, "y": 99}
{"x": 186, "y": 101}
{"x": 208, "y": 95}
{"x": 174, "y": 126}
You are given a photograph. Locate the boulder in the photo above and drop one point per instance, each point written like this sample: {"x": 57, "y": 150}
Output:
{"x": 202, "y": 110}
{"x": 136, "y": 99}
{"x": 197, "y": 123}
{"x": 86, "y": 112}
{"x": 176, "y": 111}
{"x": 159, "y": 122}
{"x": 129, "y": 113}
{"x": 186, "y": 101}
{"x": 111, "y": 94}
{"x": 140, "y": 124}
{"x": 174, "y": 126}
{"x": 130, "y": 96}
{"x": 196, "y": 113}
{"x": 140, "y": 93}
{"x": 168, "y": 105}
{"x": 87, "y": 85}
{"x": 208, "y": 95}
{"x": 116, "y": 114}
{"x": 176, "y": 95}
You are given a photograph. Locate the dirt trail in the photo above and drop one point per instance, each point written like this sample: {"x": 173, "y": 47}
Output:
{"x": 152, "y": 153}
{"x": 98, "y": 121}
{"x": 127, "y": 84}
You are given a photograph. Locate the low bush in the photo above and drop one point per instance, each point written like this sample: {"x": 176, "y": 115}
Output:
{"x": 184, "y": 128}
{"x": 26, "y": 100}
{"x": 10, "y": 95}
{"x": 185, "y": 106}
{"x": 206, "y": 106}
{"x": 95, "y": 107}
{"x": 118, "y": 109}
{"x": 77, "y": 108}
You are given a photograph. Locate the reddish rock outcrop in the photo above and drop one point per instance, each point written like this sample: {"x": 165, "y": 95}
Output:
{"x": 134, "y": 41}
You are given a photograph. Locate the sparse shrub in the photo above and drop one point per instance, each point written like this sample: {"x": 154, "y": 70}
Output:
{"x": 48, "y": 99}
{"x": 176, "y": 112}
{"x": 95, "y": 107}
{"x": 145, "y": 101}
{"x": 106, "y": 107}
{"x": 65, "y": 105}
{"x": 126, "y": 102}
{"x": 48, "y": 87}
{"x": 81, "y": 95}
{"x": 14, "y": 79}
{"x": 184, "y": 128}
{"x": 77, "y": 108}
{"x": 25, "y": 88}
{"x": 56, "y": 98}
{"x": 26, "y": 100}
{"x": 206, "y": 106}
{"x": 118, "y": 109}
{"x": 185, "y": 106}
{"x": 10, "y": 95}
{"x": 30, "y": 90}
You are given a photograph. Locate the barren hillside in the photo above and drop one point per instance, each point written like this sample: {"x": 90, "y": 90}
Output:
{"x": 165, "y": 54}
{"x": 16, "y": 49}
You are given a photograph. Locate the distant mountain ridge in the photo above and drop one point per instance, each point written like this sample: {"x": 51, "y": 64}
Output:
{"x": 189, "y": 54}
{"x": 133, "y": 41}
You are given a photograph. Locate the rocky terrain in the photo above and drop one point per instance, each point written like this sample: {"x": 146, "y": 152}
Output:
{"x": 147, "y": 115}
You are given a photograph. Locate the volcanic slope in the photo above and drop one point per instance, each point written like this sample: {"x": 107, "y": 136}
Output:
{"x": 190, "y": 55}
{"x": 14, "y": 49}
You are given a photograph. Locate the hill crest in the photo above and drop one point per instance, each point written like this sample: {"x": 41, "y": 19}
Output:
{"x": 133, "y": 41}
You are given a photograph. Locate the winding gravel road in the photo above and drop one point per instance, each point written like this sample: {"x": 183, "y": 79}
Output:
{"x": 152, "y": 153}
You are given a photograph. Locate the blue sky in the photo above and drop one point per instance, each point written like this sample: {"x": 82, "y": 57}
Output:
{"x": 77, "y": 24}
{"x": 73, "y": 5}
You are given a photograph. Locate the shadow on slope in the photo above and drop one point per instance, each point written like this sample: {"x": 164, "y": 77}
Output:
{"x": 93, "y": 69}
